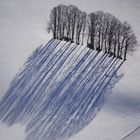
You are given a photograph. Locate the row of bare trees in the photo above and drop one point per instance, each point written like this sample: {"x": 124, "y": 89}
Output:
{"x": 68, "y": 22}
{"x": 106, "y": 32}
{"x": 102, "y": 30}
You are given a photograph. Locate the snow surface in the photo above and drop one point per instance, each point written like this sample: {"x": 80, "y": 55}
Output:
{"x": 22, "y": 26}
{"x": 134, "y": 135}
{"x": 60, "y": 89}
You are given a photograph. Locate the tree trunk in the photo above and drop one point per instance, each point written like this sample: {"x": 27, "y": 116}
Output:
{"x": 83, "y": 36}
{"x": 125, "y": 51}
{"x": 118, "y": 52}
{"x": 102, "y": 42}
{"x": 115, "y": 46}
{"x": 105, "y": 46}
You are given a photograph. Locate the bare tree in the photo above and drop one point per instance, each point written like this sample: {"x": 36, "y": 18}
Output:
{"x": 116, "y": 35}
{"x": 64, "y": 21}
{"x": 68, "y": 26}
{"x": 73, "y": 16}
{"x": 92, "y": 22}
{"x": 99, "y": 15}
{"x": 81, "y": 25}
{"x": 84, "y": 21}
{"x": 105, "y": 29}
{"x": 111, "y": 32}
{"x": 130, "y": 39}
{"x": 52, "y": 26}
{"x": 78, "y": 27}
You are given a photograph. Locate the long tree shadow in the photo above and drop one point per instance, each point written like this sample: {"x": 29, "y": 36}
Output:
{"x": 60, "y": 89}
{"x": 24, "y": 90}
{"x": 21, "y": 79}
{"x": 19, "y": 84}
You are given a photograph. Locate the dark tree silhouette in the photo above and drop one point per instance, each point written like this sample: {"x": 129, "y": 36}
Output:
{"x": 130, "y": 40}
{"x": 104, "y": 31}
{"x": 92, "y": 29}
{"x": 74, "y": 14}
{"x": 99, "y": 15}
{"x": 80, "y": 28}
{"x": 52, "y": 26}
{"x": 84, "y": 23}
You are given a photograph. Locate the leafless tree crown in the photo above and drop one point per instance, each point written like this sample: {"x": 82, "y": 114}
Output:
{"x": 102, "y": 31}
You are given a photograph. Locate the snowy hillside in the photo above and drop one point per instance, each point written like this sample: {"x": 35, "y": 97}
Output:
{"x": 134, "y": 135}
{"x": 22, "y": 26}
{"x": 59, "y": 90}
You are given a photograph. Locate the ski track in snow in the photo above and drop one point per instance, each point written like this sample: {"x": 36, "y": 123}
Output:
{"x": 60, "y": 89}
{"x": 134, "y": 135}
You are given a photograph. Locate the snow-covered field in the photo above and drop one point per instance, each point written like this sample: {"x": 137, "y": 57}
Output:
{"x": 22, "y": 26}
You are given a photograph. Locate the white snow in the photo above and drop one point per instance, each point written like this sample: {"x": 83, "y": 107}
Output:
{"x": 134, "y": 135}
{"x": 16, "y": 132}
{"x": 22, "y": 30}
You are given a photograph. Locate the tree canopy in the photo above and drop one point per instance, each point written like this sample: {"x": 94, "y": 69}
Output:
{"x": 102, "y": 31}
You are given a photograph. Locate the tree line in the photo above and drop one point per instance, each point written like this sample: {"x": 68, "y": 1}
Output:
{"x": 101, "y": 31}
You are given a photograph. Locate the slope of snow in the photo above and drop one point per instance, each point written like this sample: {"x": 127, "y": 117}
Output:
{"x": 134, "y": 135}
{"x": 59, "y": 90}
{"x": 16, "y": 132}
{"x": 22, "y": 26}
